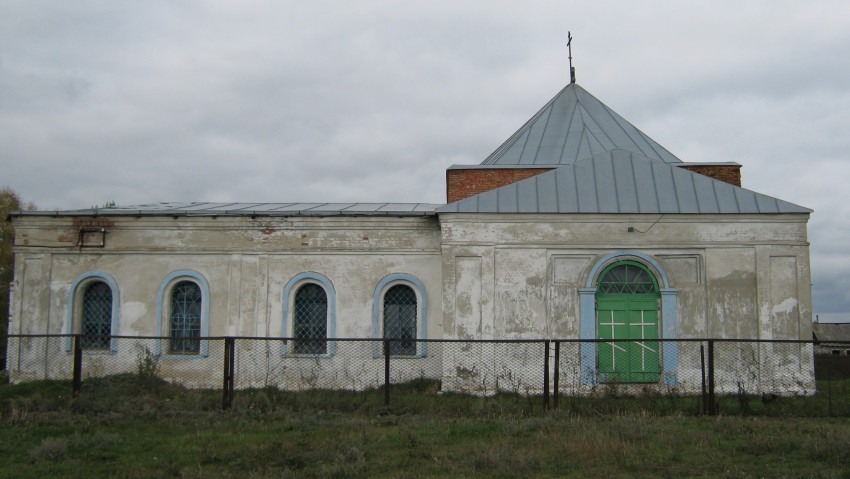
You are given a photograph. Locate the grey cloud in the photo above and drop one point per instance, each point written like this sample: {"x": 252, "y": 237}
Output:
{"x": 141, "y": 102}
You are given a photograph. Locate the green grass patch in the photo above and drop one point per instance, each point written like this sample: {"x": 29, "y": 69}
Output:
{"x": 123, "y": 427}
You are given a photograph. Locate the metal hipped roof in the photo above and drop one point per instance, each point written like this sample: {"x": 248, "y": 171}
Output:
{"x": 249, "y": 209}
{"x": 621, "y": 181}
{"x": 573, "y": 126}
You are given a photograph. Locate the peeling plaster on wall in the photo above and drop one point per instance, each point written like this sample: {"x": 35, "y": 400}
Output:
{"x": 684, "y": 269}
{"x": 569, "y": 269}
{"x": 712, "y": 262}
{"x": 733, "y": 306}
{"x": 262, "y": 311}
{"x": 468, "y": 307}
{"x": 33, "y": 297}
{"x": 692, "y": 312}
{"x": 498, "y": 274}
{"x": 58, "y": 291}
{"x": 246, "y": 291}
{"x": 134, "y": 318}
{"x": 519, "y": 316}
{"x": 233, "y": 297}
{"x": 564, "y": 312}
{"x": 783, "y": 321}
{"x": 520, "y": 284}
{"x": 786, "y": 307}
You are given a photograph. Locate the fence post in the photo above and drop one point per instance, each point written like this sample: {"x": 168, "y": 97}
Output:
{"x": 386, "y": 373}
{"x": 557, "y": 373}
{"x": 712, "y": 404}
{"x": 77, "y": 381}
{"x": 229, "y": 363}
{"x": 702, "y": 371}
{"x": 831, "y": 376}
{"x": 546, "y": 377}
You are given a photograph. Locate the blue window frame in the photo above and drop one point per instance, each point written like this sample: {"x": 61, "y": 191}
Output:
{"x": 309, "y": 316}
{"x": 96, "y": 316}
{"x": 310, "y": 321}
{"x": 185, "y": 318}
{"x": 93, "y": 309}
{"x": 400, "y": 313}
{"x": 183, "y": 311}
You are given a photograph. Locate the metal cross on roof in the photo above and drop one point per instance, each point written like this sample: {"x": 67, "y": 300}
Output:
{"x": 570, "y": 48}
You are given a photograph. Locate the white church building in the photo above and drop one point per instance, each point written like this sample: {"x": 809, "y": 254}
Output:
{"x": 579, "y": 226}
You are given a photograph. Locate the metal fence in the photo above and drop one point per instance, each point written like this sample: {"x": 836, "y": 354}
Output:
{"x": 693, "y": 376}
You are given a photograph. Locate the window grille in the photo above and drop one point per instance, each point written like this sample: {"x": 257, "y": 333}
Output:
{"x": 627, "y": 278}
{"x": 400, "y": 311}
{"x": 96, "y": 320}
{"x": 185, "y": 318}
{"x": 310, "y": 324}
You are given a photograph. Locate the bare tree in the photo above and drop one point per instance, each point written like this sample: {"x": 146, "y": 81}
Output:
{"x": 9, "y": 201}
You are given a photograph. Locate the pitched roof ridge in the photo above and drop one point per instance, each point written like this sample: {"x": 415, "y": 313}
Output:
{"x": 619, "y": 120}
{"x": 522, "y": 129}
{"x": 586, "y": 116}
{"x": 552, "y": 134}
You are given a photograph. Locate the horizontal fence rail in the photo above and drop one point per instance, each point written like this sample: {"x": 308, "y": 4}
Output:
{"x": 693, "y": 376}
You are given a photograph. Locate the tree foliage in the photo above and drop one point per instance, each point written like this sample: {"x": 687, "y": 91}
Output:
{"x": 9, "y": 201}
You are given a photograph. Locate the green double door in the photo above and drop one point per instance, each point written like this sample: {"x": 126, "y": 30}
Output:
{"x": 632, "y": 317}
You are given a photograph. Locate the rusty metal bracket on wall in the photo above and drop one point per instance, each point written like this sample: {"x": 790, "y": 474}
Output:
{"x": 83, "y": 240}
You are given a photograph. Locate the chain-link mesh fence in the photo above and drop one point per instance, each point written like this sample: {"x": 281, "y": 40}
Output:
{"x": 695, "y": 376}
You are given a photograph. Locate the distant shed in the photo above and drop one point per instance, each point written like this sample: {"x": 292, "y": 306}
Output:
{"x": 831, "y": 339}
{"x": 832, "y": 350}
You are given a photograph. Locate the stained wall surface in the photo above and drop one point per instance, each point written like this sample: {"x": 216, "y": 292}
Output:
{"x": 246, "y": 263}
{"x": 736, "y": 276}
{"x": 724, "y": 276}
{"x": 482, "y": 276}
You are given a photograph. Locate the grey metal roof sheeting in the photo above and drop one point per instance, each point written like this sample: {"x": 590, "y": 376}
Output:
{"x": 621, "y": 181}
{"x": 250, "y": 209}
{"x": 573, "y": 126}
{"x": 828, "y": 332}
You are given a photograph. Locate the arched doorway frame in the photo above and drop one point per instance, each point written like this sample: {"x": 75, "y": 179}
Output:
{"x": 669, "y": 316}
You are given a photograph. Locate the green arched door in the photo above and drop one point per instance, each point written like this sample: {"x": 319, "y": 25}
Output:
{"x": 627, "y": 308}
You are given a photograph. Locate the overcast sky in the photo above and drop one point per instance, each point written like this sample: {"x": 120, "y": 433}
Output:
{"x": 271, "y": 101}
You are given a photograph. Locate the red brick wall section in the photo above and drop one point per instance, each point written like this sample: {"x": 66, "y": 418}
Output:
{"x": 727, "y": 173}
{"x": 462, "y": 184}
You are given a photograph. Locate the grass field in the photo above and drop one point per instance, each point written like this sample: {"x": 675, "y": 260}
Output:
{"x": 127, "y": 428}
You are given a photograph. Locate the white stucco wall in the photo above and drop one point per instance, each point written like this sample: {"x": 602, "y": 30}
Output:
{"x": 729, "y": 276}
{"x": 246, "y": 264}
{"x": 484, "y": 276}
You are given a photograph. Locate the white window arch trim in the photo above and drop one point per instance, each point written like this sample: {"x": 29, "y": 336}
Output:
{"x": 163, "y": 311}
{"x": 75, "y": 305}
{"x": 421, "y": 314}
{"x": 289, "y": 292}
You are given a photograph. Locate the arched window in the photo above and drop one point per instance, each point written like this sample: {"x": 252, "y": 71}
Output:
{"x": 400, "y": 312}
{"x": 310, "y": 320}
{"x": 627, "y": 277}
{"x": 93, "y": 308}
{"x": 96, "y": 316}
{"x": 183, "y": 310}
{"x": 185, "y": 306}
{"x": 309, "y": 304}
